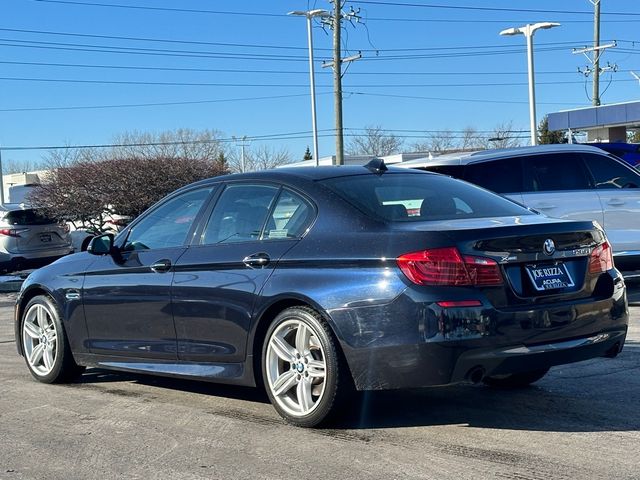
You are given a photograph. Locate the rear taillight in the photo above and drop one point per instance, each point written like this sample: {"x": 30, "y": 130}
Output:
{"x": 12, "y": 232}
{"x": 601, "y": 259}
{"x": 445, "y": 266}
{"x": 64, "y": 226}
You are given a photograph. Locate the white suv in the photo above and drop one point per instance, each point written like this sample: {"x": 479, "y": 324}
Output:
{"x": 576, "y": 182}
{"x": 29, "y": 239}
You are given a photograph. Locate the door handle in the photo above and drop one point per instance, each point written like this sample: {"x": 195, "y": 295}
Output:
{"x": 615, "y": 202}
{"x": 161, "y": 266}
{"x": 257, "y": 260}
{"x": 543, "y": 206}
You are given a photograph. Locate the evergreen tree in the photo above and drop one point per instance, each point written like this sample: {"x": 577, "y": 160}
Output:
{"x": 546, "y": 136}
{"x": 307, "y": 154}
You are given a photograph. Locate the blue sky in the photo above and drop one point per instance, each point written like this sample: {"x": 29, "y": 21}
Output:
{"x": 245, "y": 71}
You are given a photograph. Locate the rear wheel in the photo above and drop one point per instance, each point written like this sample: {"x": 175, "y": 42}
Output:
{"x": 516, "y": 380}
{"x": 302, "y": 368}
{"x": 44, "y": 343}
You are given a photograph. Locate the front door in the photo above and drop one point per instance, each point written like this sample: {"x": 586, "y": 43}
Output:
{"x": 127, "y": 295}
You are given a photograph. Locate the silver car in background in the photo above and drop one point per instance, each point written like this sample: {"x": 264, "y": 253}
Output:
{"x": 573, "y": 182}
{"x": 27, "y": 238}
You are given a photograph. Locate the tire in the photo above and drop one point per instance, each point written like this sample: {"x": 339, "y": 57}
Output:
{"x": 304, "y": 372}
{"x": 516, "y": 380}
{"x": 44, "y": 343}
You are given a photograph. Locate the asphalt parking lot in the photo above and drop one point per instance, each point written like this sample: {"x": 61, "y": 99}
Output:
{"x": 581, "y": 421}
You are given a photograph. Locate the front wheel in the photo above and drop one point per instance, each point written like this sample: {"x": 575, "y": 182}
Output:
{"x": 302, "y": 368}
{"x": 516, "y": 380}
{"x": 44, "y": 343}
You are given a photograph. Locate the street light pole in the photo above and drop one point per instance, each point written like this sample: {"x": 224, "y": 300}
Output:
{"x": 314, "y": 125}
{"x": 528, "y": 31}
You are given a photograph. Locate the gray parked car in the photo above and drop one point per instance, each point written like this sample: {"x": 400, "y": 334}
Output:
{"x": 573, "y": 182}
{"x": 28, "y": 238}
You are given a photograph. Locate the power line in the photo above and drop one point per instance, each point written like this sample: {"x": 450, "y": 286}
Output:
{"x": 137, "y": 50}
{"x": 267, "y": 137}
{"x": 370, "y": 2}
{"x": 148, "y": 39}
{"x": 164, "y": 9}
{"x": 464, "y": 100}
{"x": 153, "y": 104}
{"x": 283, "y": 72}
{"x": 237, "y": 56}
{"x": 153, "y": 50}
{"x": 283, "y": 85}
{"x": 480, "y": 20}
{"x": 485, "y": 9}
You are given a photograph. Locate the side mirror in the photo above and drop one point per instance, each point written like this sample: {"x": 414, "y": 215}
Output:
{"x": 101, "y": 245}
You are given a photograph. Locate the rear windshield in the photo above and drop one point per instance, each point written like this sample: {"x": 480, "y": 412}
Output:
{"x": 415, "y": 198}
{"x": 27, "y": 217}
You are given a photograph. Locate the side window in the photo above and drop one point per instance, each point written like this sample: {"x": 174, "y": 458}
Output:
{"x": 168, "y": 225}
{"x": 240, "y": 214}
{"x": 290, "y": 218}
{"x": 554, "y": 172}
{"x": 609, "y": 173}
{"x": 500, "y": 176}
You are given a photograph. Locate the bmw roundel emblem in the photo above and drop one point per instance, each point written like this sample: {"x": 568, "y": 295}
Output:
{"x": 548, "y": 247}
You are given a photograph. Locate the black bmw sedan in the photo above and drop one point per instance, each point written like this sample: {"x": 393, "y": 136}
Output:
{"x": 318, "y": 282}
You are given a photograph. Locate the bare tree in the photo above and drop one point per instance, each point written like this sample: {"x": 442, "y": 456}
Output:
{"x": 471, "y": 139}
{"x": 181, "y": 143}
{"x": 87, "y": 186}
{"x": 375, "y": 141}
{"x": 503, "y": 136}
{"x": 87, "y": 192}
{"x": 261, "y": 157}
{"x": 440, "y": 141}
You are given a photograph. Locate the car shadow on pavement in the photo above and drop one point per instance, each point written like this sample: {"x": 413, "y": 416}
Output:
{"x": 96, "y": 376}
{"x": 574, "y": 398}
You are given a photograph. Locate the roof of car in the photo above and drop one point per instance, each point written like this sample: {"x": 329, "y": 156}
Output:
{"x": 307, "y": 173}
{"x": 12, "y": 207}
{"x": 464, "y": 158}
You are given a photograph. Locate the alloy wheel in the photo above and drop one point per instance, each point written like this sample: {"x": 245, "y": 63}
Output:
{"x": 296, "y": 367}
{"x": 40, "y": 339}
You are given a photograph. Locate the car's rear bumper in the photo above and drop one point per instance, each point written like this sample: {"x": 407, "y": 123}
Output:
{"x": 464, "y": 344}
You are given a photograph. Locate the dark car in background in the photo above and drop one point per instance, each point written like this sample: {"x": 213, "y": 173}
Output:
{"x": 30, "y": 238}
{"x": 629, "y": 152}
{"x": 317, "y": 281}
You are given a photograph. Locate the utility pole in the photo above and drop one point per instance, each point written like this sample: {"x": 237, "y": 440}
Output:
{"x": 335, "y": 22}
{"x": 597, "y": 50}
{"x": 241, "y": 142}
{"x": 596, "y": 54}
{"x": 337, "y": 80}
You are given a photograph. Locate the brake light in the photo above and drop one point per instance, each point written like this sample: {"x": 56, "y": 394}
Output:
{"x": 446, "y": 266}
{"x": 459, "y": 303}
{"x": 12, "y": 232}
{"x": 601, "y": 259}
{"x": 64, "y": 226}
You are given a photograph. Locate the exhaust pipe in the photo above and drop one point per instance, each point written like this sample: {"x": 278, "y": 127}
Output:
{"x": 613, "y": 351}
{"x": 476, "y": 374}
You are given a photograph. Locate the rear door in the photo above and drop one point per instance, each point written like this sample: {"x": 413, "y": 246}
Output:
{"x": 618, "y": 187}
{"x": 217, "y": 280}
{"x": 559, "y": 185}
{"x": 502, "y": 176}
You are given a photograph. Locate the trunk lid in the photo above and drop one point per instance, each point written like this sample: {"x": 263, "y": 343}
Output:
{"x": 542, "y": 260}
